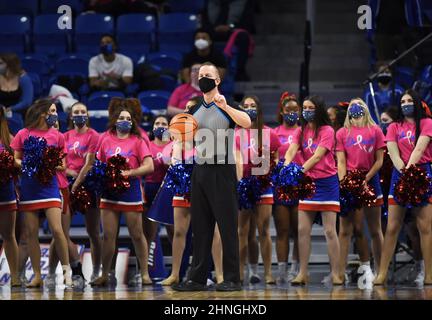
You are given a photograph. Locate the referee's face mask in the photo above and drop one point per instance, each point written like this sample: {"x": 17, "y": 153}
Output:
{"x": 208, "y": 78}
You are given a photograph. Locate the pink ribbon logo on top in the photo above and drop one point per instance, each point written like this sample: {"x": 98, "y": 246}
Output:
{"x": 408, "y": 136}
{"x": 366, "y": 145}
{"x": 77, "y": 148}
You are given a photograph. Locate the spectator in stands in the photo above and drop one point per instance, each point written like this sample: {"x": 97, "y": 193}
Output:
{"x": 183, "y": 93}
{"x": 387, "y": 93}
{"x": 232, "y": 21}
{"x": 204, "y": 52}
{"x": 16, "y": 87}
{"x": 110, "y": 70}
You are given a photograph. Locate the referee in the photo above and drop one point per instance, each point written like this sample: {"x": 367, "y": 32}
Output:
{"x": 214, "y": 182}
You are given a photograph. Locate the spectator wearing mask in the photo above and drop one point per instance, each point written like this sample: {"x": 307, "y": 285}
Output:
{"x": 183, "y": 93}
{"x": 203, "y": 52}
{"x": 110, "y": 70}
{"x": 16, "y": 87}
{"x": 384, "y": 94}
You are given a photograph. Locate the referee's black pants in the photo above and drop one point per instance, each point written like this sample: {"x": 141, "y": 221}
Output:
{"x": 214, "y": 199}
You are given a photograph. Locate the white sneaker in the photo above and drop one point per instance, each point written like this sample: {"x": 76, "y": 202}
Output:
{"x": 327, "y": 279}
{"x": 50, "y": 281}
{"x": 420, "y": 278}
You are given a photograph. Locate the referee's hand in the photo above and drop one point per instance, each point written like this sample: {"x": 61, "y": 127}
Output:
{"x": 220, "y": 101}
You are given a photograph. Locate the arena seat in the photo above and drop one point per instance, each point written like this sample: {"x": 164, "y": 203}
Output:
{"x": 135, "y": 33}
{"x": 155, "y": 100}
{"x": 14, "y": 33}
{"x": 89, "y": 28}
{"x": 48, "y": 38}
{"x": 176, "y": 31}
{"x": 166, "y": 60}
{"x": 100, "y": 100}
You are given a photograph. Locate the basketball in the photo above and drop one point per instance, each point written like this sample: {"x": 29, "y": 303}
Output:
{"x": 183, "y": 127}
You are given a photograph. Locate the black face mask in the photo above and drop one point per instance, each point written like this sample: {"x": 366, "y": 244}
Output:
{"x": 384, "y": 79}
{"x": 206, "y": 84}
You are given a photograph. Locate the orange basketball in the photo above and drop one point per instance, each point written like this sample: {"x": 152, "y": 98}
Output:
{"x": 183, "y": 126}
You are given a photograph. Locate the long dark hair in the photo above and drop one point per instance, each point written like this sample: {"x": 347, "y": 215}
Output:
{"x": 419, "y": 111}
{"x": 114, "y": 117}
{"x": 321, "y": 116}
{"x": 35, "y": 111}
{"x": 5, "y": 137}
{"x": 13, "y": 63}
{"x": 259, "y": 120}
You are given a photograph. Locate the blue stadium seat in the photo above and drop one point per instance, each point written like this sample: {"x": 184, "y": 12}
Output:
{"x": 14, "y": 33}
{"x": 188, "y": 6}
{"x": 100, "y": 100}
{"x": 38, "y": 87}
{"x": 169, "y": 83}
{"x": 404, "y": 76}
{"x": 166, "y": 60}
{"x": 89, "y": 28}
{"x": 176, "y": 31}
{"x": 155, "y": 100}
{"x": 35, "y": 63}
{"x": 99, "y": 123}
{"x": 73, "y": 63}
{"x": 51, "y": 6}
{"x": 48, "y": 38}
{"x": 15, "y": 123}
{"x": 22, "y": 7}
{"x": 135, "y": 33}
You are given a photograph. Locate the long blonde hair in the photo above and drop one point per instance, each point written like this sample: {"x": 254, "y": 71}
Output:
{"x": 367, "y": 120}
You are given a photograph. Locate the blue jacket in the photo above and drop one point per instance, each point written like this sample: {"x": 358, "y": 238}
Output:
{"x": 26, "y": 99}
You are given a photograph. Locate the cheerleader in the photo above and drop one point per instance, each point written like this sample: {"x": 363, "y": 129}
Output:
{"x": 316, "y": 140}
{"x": 8, "y": 207}
{"x": 34, "y": 196}
{"x": 360, "y": 146}
{"x": 160, "y": 148}
{"x": 124, "y": 139}
{"x": 81, "y": 143}
{"x": 408, "y": 143}
{"x": 182, "y": 217}
{"x": 286, "y": 215}
{"x": 248, "y": 150}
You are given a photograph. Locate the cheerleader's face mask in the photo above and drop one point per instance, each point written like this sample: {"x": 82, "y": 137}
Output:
{"x": 79, "y": 115}
{"x": 407, "y": 105}
{"x": 124, "y": 122}
{"x": 160, "y": 127}
{"x": 52, "y": 116}
{"x": 308, "y": 112}
{"x": 356, "y": 111}
{"x": 250, "y": 107}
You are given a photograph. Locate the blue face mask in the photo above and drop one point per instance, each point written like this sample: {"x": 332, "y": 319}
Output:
{"x": 252, "y": 114}
{"x": 356, "y": 111}
{"x": 124, "y": 126}
{"x": 79, "y": 121}
{"x": 159, "y": 132}
{"x": 51, "y": 120}
{"x": 290, "y": 118}
{"x": 407, "y": 110}
{"x": 107, "y": 49}
{"x": 309, "y": 115}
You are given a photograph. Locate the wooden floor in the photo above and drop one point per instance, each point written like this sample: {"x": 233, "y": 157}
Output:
{"x": 259, "y": 292}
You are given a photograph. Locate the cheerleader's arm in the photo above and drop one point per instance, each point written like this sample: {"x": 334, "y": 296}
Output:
{"x": 90, "y": 159}
{"x": 379, "y": 159}
{"x": 239, "y": 164}
{"x": 18, "y": 158}
{"x": 145, "y": 168}
{"x": 341, "y": 164}
{"x": 394, "y": 154}
{"x": 422, "y": 144}
{"x": 290, "y": 153}
{"x": 312, "y": 161}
